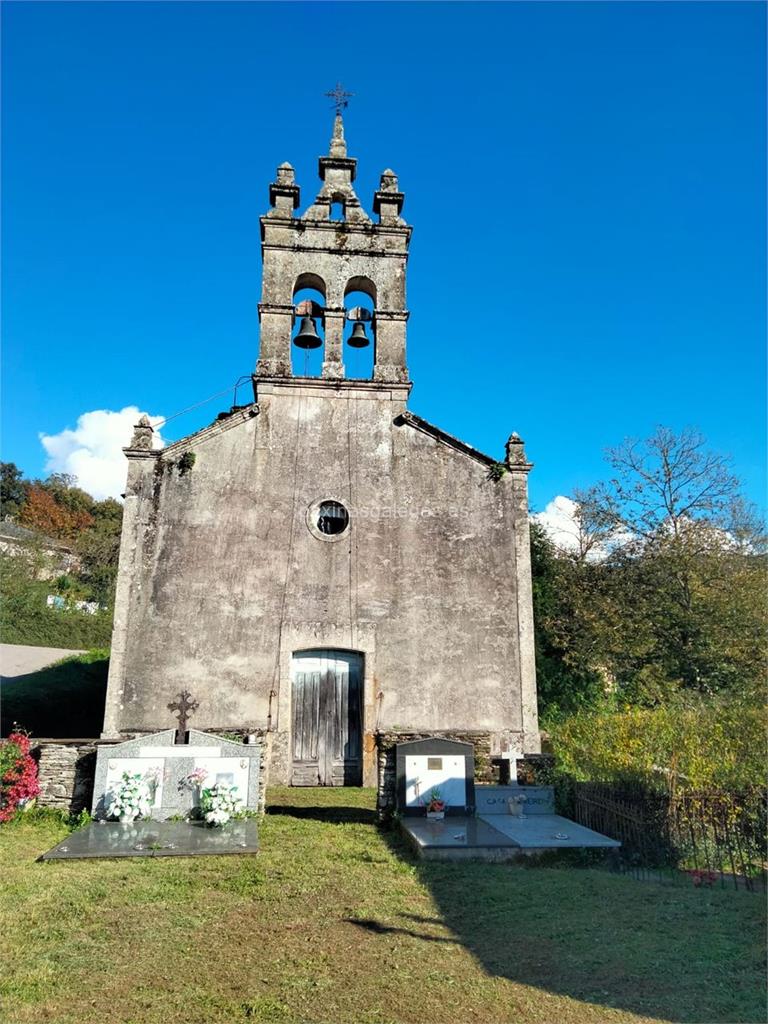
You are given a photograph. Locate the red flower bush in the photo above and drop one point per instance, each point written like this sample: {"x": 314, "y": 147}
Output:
{"x": 18, "y": 774}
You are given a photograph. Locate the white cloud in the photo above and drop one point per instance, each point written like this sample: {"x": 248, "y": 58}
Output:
{"x": 562, "y": 525}
{"x": 560, "y": 521}
{"x": 92, "y": 452}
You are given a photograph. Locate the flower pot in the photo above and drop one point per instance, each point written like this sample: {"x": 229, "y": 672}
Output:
{"x": 436, "y": 815}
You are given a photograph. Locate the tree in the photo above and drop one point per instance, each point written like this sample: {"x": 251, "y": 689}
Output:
{"x": 99, "y": 550}
{"x": 684, "y": 552}
{"x": 13, "y": 490}
{"x": 661, "y": 485}
{"x": 64, "y": 490}
{"x": 567, "y": 663}
{"x": 43, "y": 513}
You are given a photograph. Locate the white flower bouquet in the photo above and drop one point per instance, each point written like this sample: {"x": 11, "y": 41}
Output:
{"x": 130, "y": 799}
{"x": 220, "y": 803}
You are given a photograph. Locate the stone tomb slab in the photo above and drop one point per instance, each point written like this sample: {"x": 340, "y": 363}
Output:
{"x": 497, "y": 837}
{"x": 167, "y": 766}
{"x": 548, "y": 832}
{"x": 156, "y": 839}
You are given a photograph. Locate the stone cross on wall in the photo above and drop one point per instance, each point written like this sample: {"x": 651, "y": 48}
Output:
{"x": 185, "y": 706}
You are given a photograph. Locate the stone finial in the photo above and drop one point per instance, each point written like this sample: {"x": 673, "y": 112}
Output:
{"x": 388, "y": 181}
{"x": 142, "y": 434}
{"x": 284, "y": 193}
{"x": 516, "y": 451}
{"x": 388, "y": 200}
{"x": 338, "y": 144}
{"x": 286, "y": 174}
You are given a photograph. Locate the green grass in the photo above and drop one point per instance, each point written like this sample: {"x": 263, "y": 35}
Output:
{"x": 25, "y": 617}
{"x": 64, "y": 700}
{"x": 333, "y": 921}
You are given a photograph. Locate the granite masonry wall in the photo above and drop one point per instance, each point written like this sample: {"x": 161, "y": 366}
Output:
{"x": 65, "y": 770}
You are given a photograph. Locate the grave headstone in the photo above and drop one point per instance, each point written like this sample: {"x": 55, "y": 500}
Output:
{"x": 166, "y": 768}
{"x": 435, "y": 764}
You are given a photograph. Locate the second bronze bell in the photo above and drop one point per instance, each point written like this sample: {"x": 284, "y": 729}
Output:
{"x": 307, "y": 336}
{"x": 358, "y": 338}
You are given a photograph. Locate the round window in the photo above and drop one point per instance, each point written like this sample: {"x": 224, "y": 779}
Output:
{"x": 332, "y": 518}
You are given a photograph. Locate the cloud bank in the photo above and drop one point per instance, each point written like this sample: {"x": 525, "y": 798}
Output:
{"x": 559, "y": 520}
{"x": 92, "y": 452}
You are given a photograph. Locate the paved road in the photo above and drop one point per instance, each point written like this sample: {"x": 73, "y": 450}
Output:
{"x": 16, "y": 660}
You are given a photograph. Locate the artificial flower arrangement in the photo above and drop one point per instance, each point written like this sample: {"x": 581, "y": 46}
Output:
{"x": 219, "y": 803}
{"x": 197, "y": 777}
{"x": 130, "y": 799}
{"x": 436, "y": 805}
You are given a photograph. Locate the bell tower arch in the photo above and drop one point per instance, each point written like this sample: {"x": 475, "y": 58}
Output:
{"x": 336, "y": 243}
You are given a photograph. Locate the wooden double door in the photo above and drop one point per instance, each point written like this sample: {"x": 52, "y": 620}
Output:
{"x": 327, "y": 718}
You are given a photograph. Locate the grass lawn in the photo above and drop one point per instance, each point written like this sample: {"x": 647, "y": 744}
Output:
{"x": 335, "y": 922}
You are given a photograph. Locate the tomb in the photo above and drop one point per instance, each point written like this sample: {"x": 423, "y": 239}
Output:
{"x": 483, "y": 822}
{"x": 168, "y": 767}
{"x": 172, "y": 776}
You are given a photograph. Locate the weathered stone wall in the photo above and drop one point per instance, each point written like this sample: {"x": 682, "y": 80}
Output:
{"x": 65, "y": 772}
{"x": 386, "y": 799}
{"x": 222, "y": 579}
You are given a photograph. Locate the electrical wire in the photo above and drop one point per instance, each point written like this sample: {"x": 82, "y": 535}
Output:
{"x": 197, "y": 405}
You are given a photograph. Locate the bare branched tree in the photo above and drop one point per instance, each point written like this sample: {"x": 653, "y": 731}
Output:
{"x": 665, "y": 482}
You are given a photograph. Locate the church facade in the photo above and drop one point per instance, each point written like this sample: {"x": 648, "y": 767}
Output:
{"x": 322, "y": 566}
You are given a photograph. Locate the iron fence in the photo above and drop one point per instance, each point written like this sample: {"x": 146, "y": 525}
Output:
{"x": 712, "y": 838}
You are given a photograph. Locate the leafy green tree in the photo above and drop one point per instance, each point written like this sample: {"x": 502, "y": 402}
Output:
{"x": 13, "y": 489}
{"x": 567, "y": 665}
{"x": 680, "y": 596}
{"x": 99, "y": 550}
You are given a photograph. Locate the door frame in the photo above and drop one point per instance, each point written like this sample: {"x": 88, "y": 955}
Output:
{"x": 303, "y": 636}
{"x": 325, "y": 658}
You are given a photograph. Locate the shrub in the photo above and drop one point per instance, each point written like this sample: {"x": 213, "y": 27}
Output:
{"x": 717, "y": 745}
{"x": 18, "y": 775}
{"x": 26, "y": 619}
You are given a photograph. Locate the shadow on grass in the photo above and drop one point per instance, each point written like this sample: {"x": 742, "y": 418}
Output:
{"x": 369, "y": 925}
{"x": 598, "y": 937}
{"x": 62, "y": 701}
{"x": 329, "y": 815}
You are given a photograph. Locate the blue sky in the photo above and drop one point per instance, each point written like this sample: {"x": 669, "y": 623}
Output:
{"x": 585, "y": 181}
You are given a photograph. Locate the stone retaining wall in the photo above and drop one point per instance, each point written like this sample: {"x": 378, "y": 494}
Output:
{"x": 65, "y": 771}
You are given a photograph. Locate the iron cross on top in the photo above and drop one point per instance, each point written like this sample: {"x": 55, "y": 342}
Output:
{"x": 340, "y": 97}
{"x": 185, "y": 706}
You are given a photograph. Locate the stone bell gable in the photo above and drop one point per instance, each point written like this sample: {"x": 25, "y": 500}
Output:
{"x": 322, "y": 565}
{"x": 334, "y": 251}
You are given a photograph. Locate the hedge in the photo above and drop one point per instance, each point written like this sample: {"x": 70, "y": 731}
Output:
{"x": 719, "y": 745}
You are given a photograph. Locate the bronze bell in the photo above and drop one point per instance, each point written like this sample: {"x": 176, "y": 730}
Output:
{"x": 358, "y": 338}
{"x": 307, "y": 336}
